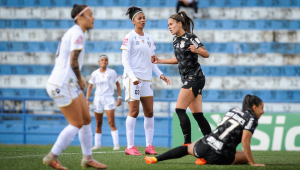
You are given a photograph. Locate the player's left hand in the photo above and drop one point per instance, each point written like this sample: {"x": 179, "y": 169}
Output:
{"x": 119, "y": 102}
{"x": 166, "y": 79}
{"x": 193, "y": 48}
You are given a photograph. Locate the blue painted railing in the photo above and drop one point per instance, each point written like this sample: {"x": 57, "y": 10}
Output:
{"x": 24, "y": 116}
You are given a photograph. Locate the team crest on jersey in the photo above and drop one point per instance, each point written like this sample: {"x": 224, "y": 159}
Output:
{"x": 137, "y": 43}
{"x": 182, "y": 44}
{"x": 79, "y": 40}
{"x": 71, "y": 80}
{"x": 149, "y": 44}
{"x": 57, "y": 91}
{"x": 125, "y": 41}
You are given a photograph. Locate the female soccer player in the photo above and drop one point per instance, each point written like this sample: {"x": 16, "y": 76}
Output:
{"x": 187, "y": 47}
{"x": 65, "y": 86}
{"x": 219, "y": 147}
{"x": 104, "y": 79}
{"x": 138, "y": 47}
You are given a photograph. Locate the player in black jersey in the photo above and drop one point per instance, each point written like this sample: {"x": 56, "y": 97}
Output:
{"x": 187, "y": 47}
{"x": 219, "y": 147}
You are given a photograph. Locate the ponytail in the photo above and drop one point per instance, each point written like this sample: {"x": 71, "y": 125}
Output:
{"x": 186, "y": 21}
{"x": 249, "y": 101}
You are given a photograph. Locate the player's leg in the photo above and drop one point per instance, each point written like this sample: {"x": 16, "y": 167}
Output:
{"x": 114, "y": 131}
{"x": 240, "y": 158}
{"x": 71, "y": 109}
{"x": 185, "y": 97}
{"x": 98, "y": 130}
{"x": 147, "y": 103}
{"x": 85, "y": 136}
{"x": 196, "y": 108}
{"x": 175, "y": 153}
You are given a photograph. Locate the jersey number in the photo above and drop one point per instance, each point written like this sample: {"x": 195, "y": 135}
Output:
{"x": 233, "y": 125}
{"x": 137, "y": 92}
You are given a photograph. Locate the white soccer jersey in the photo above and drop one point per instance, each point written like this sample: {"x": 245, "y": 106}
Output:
{"x": 140, "y": 50}
{"x": 62, "y": 72}
{"x": 104, "y": 82}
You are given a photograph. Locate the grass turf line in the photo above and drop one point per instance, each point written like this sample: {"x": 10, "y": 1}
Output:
{"x": 30, "y": 157}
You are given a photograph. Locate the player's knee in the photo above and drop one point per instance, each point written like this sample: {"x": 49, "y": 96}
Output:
{"x": 112, "y": 124}
{"x": 98, "y": 124}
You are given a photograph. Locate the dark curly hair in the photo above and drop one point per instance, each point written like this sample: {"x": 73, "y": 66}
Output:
{"x": 133, "y": 10}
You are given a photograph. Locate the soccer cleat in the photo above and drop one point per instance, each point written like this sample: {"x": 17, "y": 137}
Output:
{"x": 85, "y": 163}
{"x": 185, "y": 144}
{"x": 150, "y": 160}
{"x": 200, "y": 161}
{"x": 150, "y": 150}
{"x": 132, "y": 151}
{"x": 116, "y": 147}
{"x": 54, "y": 163}
{"x": 96, "y": 147}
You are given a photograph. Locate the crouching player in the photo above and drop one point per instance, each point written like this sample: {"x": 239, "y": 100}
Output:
{"x": 219, "y": 147}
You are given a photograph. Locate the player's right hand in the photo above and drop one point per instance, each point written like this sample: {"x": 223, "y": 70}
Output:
{"x": 82, "y": 84}
{"x": 154, "y": 59}
{"x": 136, "y": 81}
{"x": 88, "y": 102}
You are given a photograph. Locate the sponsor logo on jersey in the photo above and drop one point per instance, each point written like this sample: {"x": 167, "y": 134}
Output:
{"x": 213, "y": 142}
{"x": 149, "y": 44}
{"x": 185, "y": 83}
{"x": 174, "y": 39}
{"x": 137, "y": 43}
{"x": 194, "y": 43}
{"x": 53, "y": 92}
{"x": 57, "y": 91}
{"x": 249, "y": 125}
{"x": 185, "y": 37}
{"x": 79, "y": 40}
{"x": 197, "y": 40}
{"x": 125, "y": 41}
{"x": 182, "y": 44}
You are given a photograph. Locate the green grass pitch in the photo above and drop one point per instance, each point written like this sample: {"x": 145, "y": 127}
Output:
{"x": 30, "y": 157}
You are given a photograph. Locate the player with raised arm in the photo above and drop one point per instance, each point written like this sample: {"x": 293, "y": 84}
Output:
{"x": 65, "y": 86}
{"x": 219, "y": 147}
{"x": 187, "y": 47}
{"x": 104, "y": 79}
{"x": 137, "y": 49}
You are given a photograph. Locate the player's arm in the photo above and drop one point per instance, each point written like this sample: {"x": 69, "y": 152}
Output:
{"x": 156, "y": 60}
{"x": 119, "y": 101}
{"x": 246, "y": 139}
{"x": 201, "y": 51}
{"x": 75, "y": 67}
{"x": 127, "y": 67}
{"x": 88, "y": 93}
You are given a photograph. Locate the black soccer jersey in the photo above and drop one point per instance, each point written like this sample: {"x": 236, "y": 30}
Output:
{"x": 188, "y": 65}
{"x": 228, "y": 134}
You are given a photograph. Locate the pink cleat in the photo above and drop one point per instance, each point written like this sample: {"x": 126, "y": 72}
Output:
{"x": 132, "y": 151}
{"x": 150, "y": 150}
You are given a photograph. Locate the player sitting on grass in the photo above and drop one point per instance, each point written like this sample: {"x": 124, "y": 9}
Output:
{"x": 219, "y": 147}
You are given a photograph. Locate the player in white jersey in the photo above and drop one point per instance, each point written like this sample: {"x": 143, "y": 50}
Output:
{"x": 104, "y": 79}
{"x": 137, "y": 49}
{"x": 65, "y": 86}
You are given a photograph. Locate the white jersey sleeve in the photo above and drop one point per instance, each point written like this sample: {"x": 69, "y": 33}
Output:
{"x": 76, "y": 41}
{"x": 92, "y": 79}
{"x": 116, "y": 76}
{"x": 127, "y": 43}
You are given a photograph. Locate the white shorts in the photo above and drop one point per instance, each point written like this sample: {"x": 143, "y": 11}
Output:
{"x": 135, "y": 92}
{"x": 64, "y": 95}
{"x": 102, "y": 103}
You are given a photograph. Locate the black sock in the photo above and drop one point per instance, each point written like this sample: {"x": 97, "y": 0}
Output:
{"x": 178, "y": 152}
{"x": 203, "y": 123}
{"x": 185, "y": 125}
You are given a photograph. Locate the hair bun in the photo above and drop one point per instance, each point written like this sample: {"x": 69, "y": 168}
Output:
{"x": 75, "y": 5}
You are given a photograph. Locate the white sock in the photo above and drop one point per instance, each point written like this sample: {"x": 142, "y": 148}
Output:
{"x": 64, "y": 139}
{"x": 149, "y": 130}
{"x": 98, "y": 139}
{"x": 85, "y": 136}
{"x": 130, "y": 124}
{"x": 115, "y": 137}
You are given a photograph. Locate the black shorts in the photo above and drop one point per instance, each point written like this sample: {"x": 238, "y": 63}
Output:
{"x": 195, "y": 86}
{"x": 201, "y": 150}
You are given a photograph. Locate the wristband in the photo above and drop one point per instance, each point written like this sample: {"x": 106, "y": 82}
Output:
{"x": 119, "y": 97}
